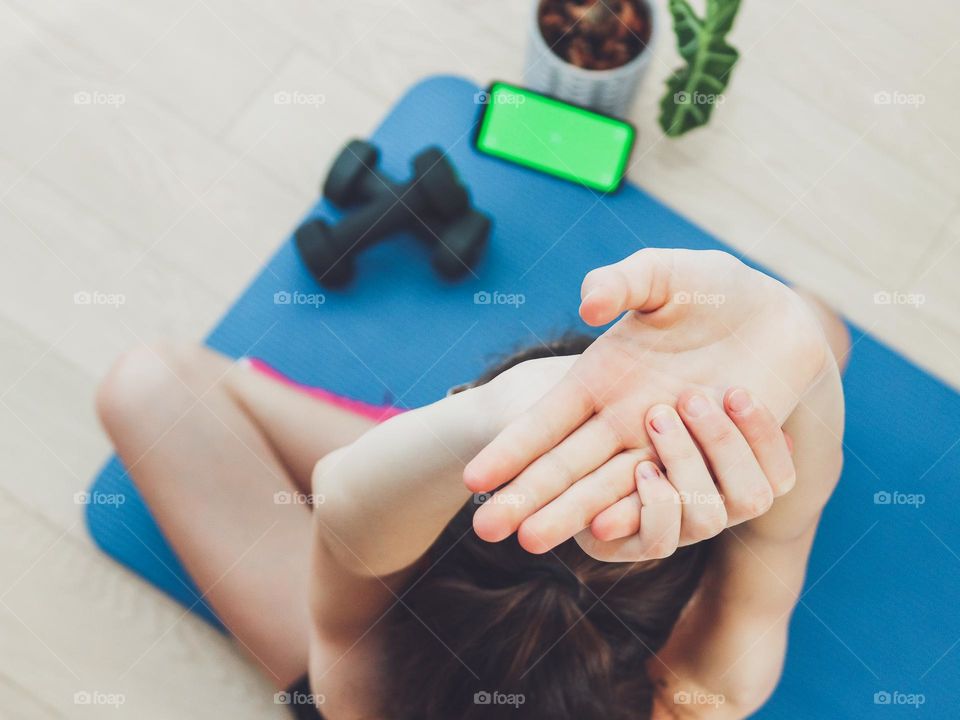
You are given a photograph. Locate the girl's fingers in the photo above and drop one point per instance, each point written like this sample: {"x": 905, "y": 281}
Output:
{"x": 622, "y": 520}
{"x": 639, "y": 282}
{"x": 575, "y": 508}
{"x": 660, "y": 512}
{"x": 749, "y": 455}
{"x": 656, "y": 505}
{"x": 545, "y": 480}
{"x": 619, "y": 520}
{"x": 746, "y": 492}
{"x": 704, "y": 514}
{"x": 552, "y": 418}
{"x": 622, "y": 550}
{"x": 770, "y": 445}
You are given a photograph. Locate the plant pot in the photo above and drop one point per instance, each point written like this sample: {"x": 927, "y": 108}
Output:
{"x": 606, "y": 91}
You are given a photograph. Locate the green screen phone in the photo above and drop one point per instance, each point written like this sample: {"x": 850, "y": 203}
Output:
{"x": 552, "y": 136}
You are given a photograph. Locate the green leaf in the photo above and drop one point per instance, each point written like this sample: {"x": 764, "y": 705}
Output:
{"x": 693, "y": 89}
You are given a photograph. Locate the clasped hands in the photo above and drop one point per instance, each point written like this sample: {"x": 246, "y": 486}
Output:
{"x": 667, "y": 429}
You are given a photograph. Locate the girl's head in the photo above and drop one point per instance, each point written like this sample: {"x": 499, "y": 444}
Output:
{"x": 487, "y": 630}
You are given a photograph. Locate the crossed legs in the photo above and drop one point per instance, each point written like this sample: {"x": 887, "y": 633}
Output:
{"x": 209, "y": 444}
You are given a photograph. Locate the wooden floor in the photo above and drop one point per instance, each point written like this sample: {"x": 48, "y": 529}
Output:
{"x": 142, "y": 154}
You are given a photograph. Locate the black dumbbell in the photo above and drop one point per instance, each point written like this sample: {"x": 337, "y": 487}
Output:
{"x": 434, "y": 204}
{"x": 354, "y": 178}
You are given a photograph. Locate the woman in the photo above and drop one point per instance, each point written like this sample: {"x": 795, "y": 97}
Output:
{"x": 400, "y": 609}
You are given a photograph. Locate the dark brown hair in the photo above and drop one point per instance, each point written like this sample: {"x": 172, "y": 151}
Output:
{"x": 488, "y": 630}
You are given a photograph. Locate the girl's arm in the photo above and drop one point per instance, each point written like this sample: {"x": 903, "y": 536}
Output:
{"x": 388, "y": 495}
{"x": 384, "y": 499}
{"x": 726, "y": 653}
{"x": 380, "y": 503}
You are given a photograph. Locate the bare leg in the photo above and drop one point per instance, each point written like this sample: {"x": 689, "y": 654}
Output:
{"x": 838, "y": 337}
{"x": 208, "y": 444}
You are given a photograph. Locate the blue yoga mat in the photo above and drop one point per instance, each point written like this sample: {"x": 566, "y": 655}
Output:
{"x": 877, "y": 628}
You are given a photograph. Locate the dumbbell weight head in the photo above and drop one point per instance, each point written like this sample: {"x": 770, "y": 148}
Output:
{"x": 459, "y": 244}
{"x": 347, "y": 181}
{"x": 325, "y": 260}
{"x": 436, "y": 180}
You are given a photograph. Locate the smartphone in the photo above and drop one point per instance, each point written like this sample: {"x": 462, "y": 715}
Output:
{"x": 554, "y": 137}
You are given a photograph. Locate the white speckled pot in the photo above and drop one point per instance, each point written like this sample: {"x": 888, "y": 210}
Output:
{"x": 606, "y": 91}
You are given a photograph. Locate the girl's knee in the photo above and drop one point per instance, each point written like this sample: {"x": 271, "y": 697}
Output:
{"x": 835, "y": 330}
{"x": 146, "y": 378}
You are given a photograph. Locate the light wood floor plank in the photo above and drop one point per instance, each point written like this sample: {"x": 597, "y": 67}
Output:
{"x": 81, "y": 624}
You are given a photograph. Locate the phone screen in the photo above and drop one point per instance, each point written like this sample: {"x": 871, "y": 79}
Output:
{"x": 557, "y": 138}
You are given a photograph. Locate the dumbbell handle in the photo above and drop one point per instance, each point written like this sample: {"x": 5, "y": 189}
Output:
{"x": 378, "y": 217}
{"x": 376, "y": 184}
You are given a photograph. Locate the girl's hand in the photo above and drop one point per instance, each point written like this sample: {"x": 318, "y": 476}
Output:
{"x": 724, "y": 466}
{"x": 506, "y": 397}
{"x": 721, "y": 466}
{"x": 699, "y": 320}
{"x": 740, "y": 445}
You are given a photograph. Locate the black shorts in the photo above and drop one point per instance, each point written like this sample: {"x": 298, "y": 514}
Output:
{"x": 299, "y": 697}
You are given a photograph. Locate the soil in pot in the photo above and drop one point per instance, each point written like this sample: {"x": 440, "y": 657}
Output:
{"x": 595, "y": 34}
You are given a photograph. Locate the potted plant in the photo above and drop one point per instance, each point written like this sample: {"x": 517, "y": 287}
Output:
{"x": 589, "y": 52}
{"x": 594, "y": 53}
